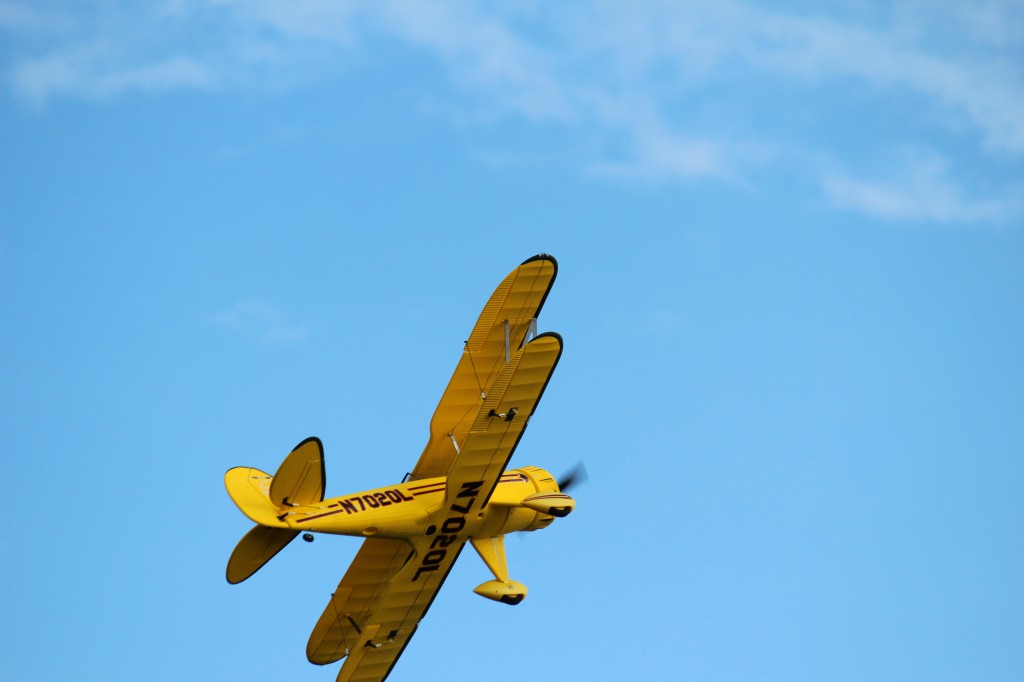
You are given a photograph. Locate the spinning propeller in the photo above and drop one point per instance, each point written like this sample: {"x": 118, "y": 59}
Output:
{"x": 578, "y": 474}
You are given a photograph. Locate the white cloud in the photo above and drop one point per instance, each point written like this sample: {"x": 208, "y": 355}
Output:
{"x": 484, "y": 53}
{"x": 298, "y": 20}
{"x": 656, "y": 87}
{"x": 922, "y": 189}
{"x": 84, "y": 73}
{"x": 986, "y": 90}
{"x": 693, "y": 44}
{"x": 604, "y": 47}
{"x": 19, "y": 17}
{"x": 656, "y": 152}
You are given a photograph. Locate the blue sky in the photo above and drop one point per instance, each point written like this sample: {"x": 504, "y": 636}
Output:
{"x": 790, "y": 238}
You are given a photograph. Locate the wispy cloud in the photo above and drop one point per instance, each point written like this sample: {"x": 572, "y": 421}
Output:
{"x": 15, "y": 16}
{"x": 485, "y": 52}
{"x": 661, "y": 91}
{"x": 260, "y": 321}
{"x": 655, "y": 150}
{"x": 984, "y": 89}
{"x": 923, "y": 191}
{"x": 85, "y": 73}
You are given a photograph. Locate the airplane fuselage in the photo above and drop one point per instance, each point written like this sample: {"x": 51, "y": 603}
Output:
{"x": 414, "y": 508}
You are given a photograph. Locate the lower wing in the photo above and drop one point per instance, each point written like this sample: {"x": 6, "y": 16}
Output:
{"x": 375, "y": 610}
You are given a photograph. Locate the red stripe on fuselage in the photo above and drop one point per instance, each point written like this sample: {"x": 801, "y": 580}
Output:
{"x": 428, "y": 489}
{"x": 319, "y": 516}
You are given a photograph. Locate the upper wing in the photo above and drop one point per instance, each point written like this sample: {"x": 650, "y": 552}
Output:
{"x": 375, "y": 611}
{"x": 502, "y": 419}
{"x": 500, "y": 331}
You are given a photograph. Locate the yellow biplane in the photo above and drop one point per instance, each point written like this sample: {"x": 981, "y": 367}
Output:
{"x": 458, "y": 492}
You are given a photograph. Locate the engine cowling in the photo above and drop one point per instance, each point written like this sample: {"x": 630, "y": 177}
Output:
{"x": 527, "y": 499}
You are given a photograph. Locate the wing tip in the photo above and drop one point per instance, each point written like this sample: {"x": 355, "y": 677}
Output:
{"x": 543, "y": 256}
{"x": 555, "y": 336}
{"x": 554, "y": 275}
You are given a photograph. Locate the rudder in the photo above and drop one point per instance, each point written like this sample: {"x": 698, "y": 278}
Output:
{"x": 301, "y": 478}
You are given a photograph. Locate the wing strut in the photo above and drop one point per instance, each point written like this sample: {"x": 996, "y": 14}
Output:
{"x": 530, "y": 335}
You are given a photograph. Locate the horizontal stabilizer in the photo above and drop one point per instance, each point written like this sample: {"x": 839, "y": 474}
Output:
{"x": 249, "y": 488}
{"x": 256, "y": 548}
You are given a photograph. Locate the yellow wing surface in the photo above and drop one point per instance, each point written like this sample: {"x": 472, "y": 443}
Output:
{"x": 499, "y": 424}
{"x": 503, "y": 326}
{"x": 356, "y": 599}
{"x": 391, "y": 583}
{"x": 375, "y": 640}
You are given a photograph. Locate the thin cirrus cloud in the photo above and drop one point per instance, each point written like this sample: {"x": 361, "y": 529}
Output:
{"x": 91, "y": 76}
{"x": 661, "y": 91}
{"x": 920, "y": 190}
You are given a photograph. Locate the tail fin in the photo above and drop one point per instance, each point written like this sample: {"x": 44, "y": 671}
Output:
{"x": 265, "y": 499}
{"x": 301, "y": 477}
{"x": 299, "y": 480}
{"x": 249, "y": 489}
